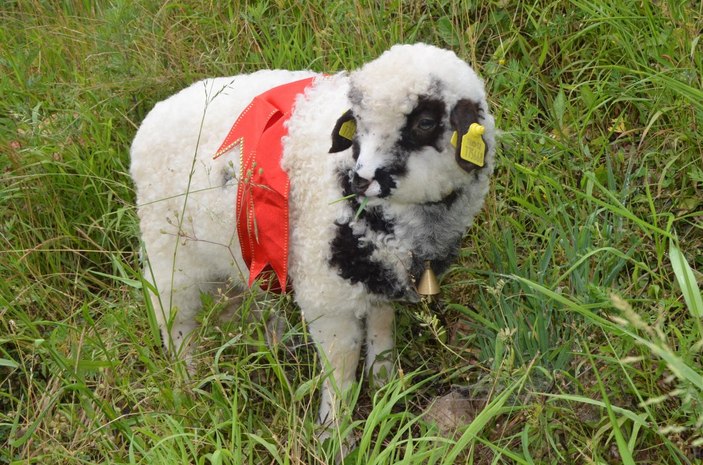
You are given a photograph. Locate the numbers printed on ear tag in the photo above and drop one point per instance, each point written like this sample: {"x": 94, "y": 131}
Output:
{"x": 473, "y": 148}
{"x": 348, "y": 129}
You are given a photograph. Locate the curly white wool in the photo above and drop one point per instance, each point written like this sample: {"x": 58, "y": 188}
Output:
{"x": 419, "y": 201}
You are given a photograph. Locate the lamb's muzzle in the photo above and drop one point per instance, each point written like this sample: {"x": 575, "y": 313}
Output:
{"x": 390, "y": 151}
{"x": 359, "y": 185}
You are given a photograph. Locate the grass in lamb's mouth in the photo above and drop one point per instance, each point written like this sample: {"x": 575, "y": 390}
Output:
{"x": 571, "y": 323}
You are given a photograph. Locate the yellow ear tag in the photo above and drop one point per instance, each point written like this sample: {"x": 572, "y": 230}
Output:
{"x": 472, "y": 146}
{"x": 348, "y": 129}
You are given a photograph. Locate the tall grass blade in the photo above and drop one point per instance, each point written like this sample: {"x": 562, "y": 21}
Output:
{"x": 686, "y": 280}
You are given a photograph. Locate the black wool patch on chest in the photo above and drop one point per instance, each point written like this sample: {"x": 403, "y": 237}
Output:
{"x": 352, "y": 257}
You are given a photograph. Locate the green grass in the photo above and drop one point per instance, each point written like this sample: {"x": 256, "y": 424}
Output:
{"x": 573, "y": 318}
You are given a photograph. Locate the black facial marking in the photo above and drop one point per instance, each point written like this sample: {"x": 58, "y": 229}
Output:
{"x": 462, "y": 115}
{"x": 384, "y": 177}
{"x": 423, "y": 126}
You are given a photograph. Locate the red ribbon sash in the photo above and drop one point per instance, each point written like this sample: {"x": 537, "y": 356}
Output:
{"x": 262, "y": 192}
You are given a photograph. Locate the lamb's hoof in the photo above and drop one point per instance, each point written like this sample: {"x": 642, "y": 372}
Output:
{"x": 331, "y": 439}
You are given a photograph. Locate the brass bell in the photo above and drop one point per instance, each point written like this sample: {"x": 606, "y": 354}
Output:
{"x": 428, "y": 285}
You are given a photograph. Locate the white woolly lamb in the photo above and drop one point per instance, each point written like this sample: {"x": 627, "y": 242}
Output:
{"x": 419, "y": 195}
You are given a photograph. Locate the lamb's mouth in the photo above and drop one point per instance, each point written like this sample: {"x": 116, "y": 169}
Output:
{"x": 371, "y": 188}
{"x": 374, "y": 190}
{"x": 361, "y": 185}
{"x": 379, "y": 184}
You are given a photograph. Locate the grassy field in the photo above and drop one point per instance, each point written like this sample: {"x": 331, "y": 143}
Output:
{"x": 573, "y": 321}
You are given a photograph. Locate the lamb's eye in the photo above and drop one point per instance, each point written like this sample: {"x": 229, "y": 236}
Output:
{"x": 426, "y": 124}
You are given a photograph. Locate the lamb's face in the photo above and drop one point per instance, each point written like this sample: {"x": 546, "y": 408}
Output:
{"x": 404, "y": 124}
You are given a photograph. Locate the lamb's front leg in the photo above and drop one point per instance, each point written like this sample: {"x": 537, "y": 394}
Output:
{"x": 380, "y": 341}
{"x": 338, "y": 339}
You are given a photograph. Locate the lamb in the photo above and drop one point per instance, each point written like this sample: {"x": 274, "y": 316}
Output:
{"x": 379, "y": 186}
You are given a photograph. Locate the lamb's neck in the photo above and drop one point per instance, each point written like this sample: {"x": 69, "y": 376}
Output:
{"x": 432, "y": 231}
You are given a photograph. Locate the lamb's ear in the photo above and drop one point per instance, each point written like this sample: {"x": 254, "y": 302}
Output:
{"x": 343, "y": 132}
{"x": 462, "y": 115}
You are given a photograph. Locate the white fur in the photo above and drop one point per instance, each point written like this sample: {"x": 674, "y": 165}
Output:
{"x": 186, "y": 198}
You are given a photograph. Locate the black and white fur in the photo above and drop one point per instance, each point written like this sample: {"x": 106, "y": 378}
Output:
{"x": 419, "y": 196}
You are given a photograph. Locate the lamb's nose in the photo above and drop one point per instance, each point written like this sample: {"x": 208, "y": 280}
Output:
{"x": 359, "y": 184}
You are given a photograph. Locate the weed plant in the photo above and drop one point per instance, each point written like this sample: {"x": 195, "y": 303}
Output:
{"x": 573, "y": 320}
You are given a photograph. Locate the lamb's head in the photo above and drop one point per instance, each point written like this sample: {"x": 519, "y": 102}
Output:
{"x": 405, "y": 107}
